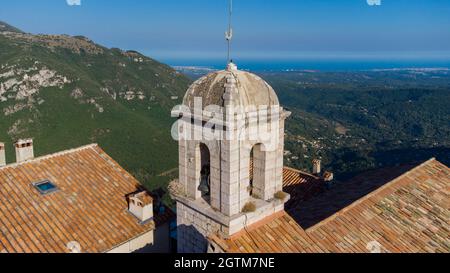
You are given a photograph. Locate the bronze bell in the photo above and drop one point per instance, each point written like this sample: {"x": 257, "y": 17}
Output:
{"x": 204, "y": 185}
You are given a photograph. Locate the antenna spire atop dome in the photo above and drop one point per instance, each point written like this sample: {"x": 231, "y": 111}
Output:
{"x": 232, "y": 67}
{"x": 229, "y": 33}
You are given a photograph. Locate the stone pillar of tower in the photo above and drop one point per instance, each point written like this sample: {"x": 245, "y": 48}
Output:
{"x": 221, "y": 187}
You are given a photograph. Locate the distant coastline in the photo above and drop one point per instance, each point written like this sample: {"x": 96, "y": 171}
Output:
{"x": 314, "y": 66}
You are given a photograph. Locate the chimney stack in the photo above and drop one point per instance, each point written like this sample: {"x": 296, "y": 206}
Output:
{"x": 141, "y": 206}
{"x": 24, "y": 150}
{"x": 2, "y": 154}
{"x": 317, "y": 168}
{"x": 328, "y": 176}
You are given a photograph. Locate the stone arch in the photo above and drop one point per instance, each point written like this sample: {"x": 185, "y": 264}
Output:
{"x": 204, "y": 169}
{"x": 257, "y": 170}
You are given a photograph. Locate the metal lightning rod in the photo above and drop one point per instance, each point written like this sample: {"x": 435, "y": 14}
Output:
{"x": 229, "y": 33}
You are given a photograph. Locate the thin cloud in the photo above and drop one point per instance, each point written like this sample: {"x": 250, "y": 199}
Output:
{"x": 374, "y": 2}
{"x": 73, "y": 2}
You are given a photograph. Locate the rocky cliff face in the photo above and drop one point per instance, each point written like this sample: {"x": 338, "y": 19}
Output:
{"x": 20, "y": 83}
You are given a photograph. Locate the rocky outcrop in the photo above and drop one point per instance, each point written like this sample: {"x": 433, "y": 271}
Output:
{"x": 132, "y": 95}
{"x": 77, "y": 93}
{"x": 18, "y": 84}
{"x": 12, "y": 109}
{"x": 21, "y": 83}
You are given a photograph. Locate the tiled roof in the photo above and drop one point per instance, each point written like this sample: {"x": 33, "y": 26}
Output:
{"x": 164, "y": 217}
{"x": 310, "y": 211}
{"x": 408, "y": 214}
{"x": 278, "y": 233}
{"x": 301, "y": 186}
{"x": 89, "y": 207}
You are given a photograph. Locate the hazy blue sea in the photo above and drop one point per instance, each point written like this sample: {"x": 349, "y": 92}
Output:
{"x": 321, "y": 65}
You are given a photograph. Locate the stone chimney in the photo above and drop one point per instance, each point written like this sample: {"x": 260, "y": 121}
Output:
{"x": 141, "y": 206}
{"x": 24, "y": 150}
{"x": 317, "y": 166}
{"x": 2, "y": 154}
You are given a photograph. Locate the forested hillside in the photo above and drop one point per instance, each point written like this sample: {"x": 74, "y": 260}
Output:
{"x": 367, "y": 119}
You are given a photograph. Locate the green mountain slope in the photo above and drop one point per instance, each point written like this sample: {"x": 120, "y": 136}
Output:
{"x": 68, "y": 91}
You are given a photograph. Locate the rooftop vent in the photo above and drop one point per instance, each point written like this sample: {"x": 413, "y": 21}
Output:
{"x": 317, "y": 168}
{"x": 141, "y": 206}
{"x": 24, "y": 150}
{"x": 74, "y": 247}
{"x": 45, "y": 187}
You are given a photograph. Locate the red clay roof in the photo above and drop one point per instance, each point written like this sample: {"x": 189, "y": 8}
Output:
{"x": 90, "y": 206}
{"x": 340, "y": 194}
{"x": 278, "y": 233}
{"x": 408, "y": 214}
{"x": 301, "y": 186}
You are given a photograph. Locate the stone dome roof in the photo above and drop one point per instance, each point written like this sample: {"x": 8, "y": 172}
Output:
{"x": 233, "y": 87}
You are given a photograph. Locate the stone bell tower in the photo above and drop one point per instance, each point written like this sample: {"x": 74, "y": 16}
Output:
{"x": 231, "y": 142}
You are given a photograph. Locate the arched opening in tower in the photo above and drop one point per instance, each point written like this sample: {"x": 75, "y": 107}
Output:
{"x": 205, "y": 172}
{"x": 256, "y": 174}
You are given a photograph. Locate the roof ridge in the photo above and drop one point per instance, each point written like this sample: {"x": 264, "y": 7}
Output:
{"x": 370, "y": 195}
{"x": 45, "y": 157}
{"x": 259, "y": 223}
{"x": 300, "y": 171}
{"x": 114, "y": 164}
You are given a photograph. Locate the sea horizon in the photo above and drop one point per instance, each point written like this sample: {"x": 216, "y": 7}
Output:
{"x": 325, "y": 65}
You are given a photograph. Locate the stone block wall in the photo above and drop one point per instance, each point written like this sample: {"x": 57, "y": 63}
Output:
{"x": 193, "y": 227}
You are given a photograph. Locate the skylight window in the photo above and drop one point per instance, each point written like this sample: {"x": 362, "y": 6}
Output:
{"x": 45, "y": 187}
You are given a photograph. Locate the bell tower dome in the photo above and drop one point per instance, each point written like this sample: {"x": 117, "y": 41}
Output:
{"x": 231, "y": 143}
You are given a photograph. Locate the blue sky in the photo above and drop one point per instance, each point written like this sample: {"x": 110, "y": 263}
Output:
{"x": 263, "y": 28}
